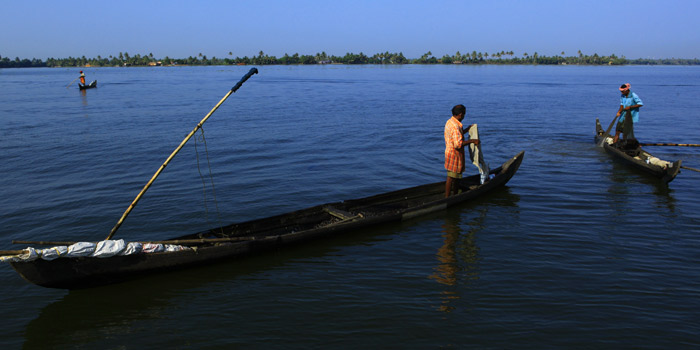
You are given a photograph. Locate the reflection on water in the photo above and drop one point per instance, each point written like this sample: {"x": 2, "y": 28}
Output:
{"x": 94, "y": 318}
{"x": 594, "y": 250}
{"x": 625, "y": 182}
{"x": 458, "y": 257}
{"x": 83, "y": 97}
{"x": 101, "y": 317}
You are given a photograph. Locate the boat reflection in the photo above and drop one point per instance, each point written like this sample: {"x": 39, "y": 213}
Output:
{"x": 624, "y": 182}
{"x": 101, "y": 317}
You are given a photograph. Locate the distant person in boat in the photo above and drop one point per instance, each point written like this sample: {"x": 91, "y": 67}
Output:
{"x": 629, "y": 102}
{"x": 454, "y": 149}
{"x": 82, "y": 77}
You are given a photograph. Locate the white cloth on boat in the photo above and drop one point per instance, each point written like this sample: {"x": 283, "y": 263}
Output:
{"x": 102, "y": 249}
{"x": 153, "y": 248}
{"x": 658, "y": 162}
{"x": 475, "y": 154}
{"x": 81, "y": 249}
{"x": 30, "y": 254}
{"x": 105, "y": 249}
{"x": 175, "y": 248}
{"x": 53, "y": 252}
{"x": 132, "y": 248}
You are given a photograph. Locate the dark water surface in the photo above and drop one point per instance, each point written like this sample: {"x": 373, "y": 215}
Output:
{"x": 576, "y": 252}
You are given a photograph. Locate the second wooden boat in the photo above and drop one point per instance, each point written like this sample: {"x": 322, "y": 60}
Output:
{"x": 638, "y": 157}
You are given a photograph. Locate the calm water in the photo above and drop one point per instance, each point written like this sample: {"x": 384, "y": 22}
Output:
{"x": 576, "y": 252}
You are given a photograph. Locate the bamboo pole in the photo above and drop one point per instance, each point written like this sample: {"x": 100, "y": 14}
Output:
{"x": 172, "y": 241}
{"x": 172, "y": 155}
{"x": 671, "y": 144}
{"x": 44, "y": 242}
{"x": 11, "y": 252}
{"x": 689, "y": 168}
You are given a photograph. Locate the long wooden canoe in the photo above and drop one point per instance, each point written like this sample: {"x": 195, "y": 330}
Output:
{"x": 93, "y": 84}
{"x": 254, "y": 236}
{"x": 639, "y": 158}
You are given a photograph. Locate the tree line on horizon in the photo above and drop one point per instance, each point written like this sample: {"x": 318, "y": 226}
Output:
{"x": 503, "y": 57}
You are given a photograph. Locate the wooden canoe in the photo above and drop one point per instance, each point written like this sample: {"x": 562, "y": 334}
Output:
{"x": 639, "y": 158}
{"x": 254, "y": 236}
{"x": 93, "y": 84}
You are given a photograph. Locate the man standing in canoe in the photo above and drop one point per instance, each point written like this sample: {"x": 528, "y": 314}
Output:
{"x": 629, "y": 102}
{"x": 454, "y": 149}
{"x": 82, "y": 77}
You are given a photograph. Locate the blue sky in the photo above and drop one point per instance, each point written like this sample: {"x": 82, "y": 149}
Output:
{"x": 178, "y": 29}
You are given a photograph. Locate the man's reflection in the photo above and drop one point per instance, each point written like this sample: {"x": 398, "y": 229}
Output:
{"x": 458, "y": 257}
{"x": 83, "y": 97}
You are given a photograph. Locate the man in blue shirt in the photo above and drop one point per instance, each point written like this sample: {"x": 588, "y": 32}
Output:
{"x": 629, "y": 103}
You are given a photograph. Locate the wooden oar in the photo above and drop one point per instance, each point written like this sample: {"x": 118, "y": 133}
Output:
{"x": 71, "y": 83}
{"x": 671, "y": 144}
{"x": 607, "y": 132}
{"x": 172, "y": 155}
{"x": 689, "y": 168}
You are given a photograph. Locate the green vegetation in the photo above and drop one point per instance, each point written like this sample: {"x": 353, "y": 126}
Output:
{"x": 503, "y": 57}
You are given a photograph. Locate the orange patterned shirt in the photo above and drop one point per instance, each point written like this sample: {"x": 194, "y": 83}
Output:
{"x": 454, "y": 142}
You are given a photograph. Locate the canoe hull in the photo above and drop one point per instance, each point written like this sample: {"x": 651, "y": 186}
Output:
{"x": 264, "y": 234}
{"x": 664, "y": 173}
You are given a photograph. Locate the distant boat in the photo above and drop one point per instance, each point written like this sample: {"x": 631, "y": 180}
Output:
{"x": 88, "y": 86}
{"x": 639, "y": 158}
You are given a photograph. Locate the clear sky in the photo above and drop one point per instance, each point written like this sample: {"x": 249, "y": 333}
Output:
{"x": 180, "y": 28}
